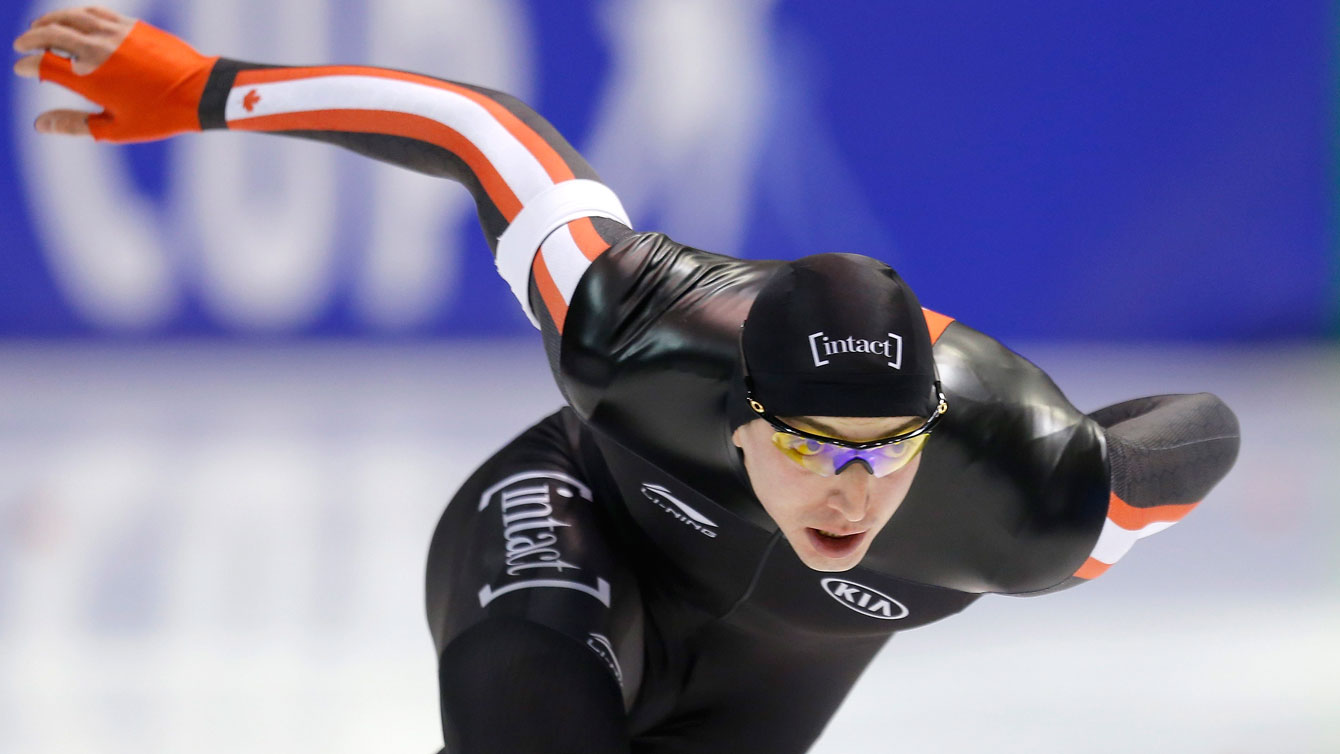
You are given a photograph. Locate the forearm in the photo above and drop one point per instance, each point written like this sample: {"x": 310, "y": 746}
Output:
{"x": 1165, "y": 454}
{"x": 542, "y": 209}
{"x": 1168, "y": 449}
{"x": 509, "y": 157}
{"x": 508, "y": 685}
{"x": 499, "y": 148}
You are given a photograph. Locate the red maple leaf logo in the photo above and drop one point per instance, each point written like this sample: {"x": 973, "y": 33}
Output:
{"x": 249, "y": 101}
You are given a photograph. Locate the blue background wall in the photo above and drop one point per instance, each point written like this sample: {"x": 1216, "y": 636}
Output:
{"x": 218, "y": 548}
{"x": 1097, "y": 170}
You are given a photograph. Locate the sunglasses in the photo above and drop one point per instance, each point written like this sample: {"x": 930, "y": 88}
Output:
{"x": 826, "y": 459}
{"x": 827, "y": 456}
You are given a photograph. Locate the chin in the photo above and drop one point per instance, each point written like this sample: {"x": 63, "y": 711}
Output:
{"x": 827, "y": 566}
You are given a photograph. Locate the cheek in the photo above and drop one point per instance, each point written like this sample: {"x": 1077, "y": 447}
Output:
{"x": 895, "y": 486}
{"x": 781, "y": 486}
{"x": 906, "y": 475}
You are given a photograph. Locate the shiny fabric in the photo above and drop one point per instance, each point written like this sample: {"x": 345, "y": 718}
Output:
{"x": 1013, "y": 486}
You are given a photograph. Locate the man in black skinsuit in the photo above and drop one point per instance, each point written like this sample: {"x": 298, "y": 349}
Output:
{"x": 765, "y": 468}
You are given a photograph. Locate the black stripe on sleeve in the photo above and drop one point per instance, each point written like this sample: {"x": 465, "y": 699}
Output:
{"x": 421, "y": 157}
{"x": 214, "y": 100}
{"x": 575, "y": 162}
{"x": 215, "y": 97}
{"x": 611, "y": 231}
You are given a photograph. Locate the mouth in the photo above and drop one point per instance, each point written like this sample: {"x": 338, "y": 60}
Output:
{"x": 834, "y": 545}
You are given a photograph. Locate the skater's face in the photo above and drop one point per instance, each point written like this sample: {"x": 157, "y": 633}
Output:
{"x": 830, "y": 521}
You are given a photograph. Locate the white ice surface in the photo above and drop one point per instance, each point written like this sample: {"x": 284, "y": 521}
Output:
{"x": 220, "y": 549}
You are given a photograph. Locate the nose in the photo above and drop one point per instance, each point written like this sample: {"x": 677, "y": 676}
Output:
{"x": 851, "y": 497}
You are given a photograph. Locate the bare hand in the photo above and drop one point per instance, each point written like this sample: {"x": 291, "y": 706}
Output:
{"x": 88, "y": 36}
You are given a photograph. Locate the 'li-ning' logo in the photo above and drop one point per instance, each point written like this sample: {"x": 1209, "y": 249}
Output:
{"x": 822, "y": 346}
{"x": 679, "y": 510}
{"x": 601, "y": 645}
{"x": 863, "y": 599}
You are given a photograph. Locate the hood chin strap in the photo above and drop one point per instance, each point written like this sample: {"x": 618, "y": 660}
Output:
{"x": 737, "y": 405}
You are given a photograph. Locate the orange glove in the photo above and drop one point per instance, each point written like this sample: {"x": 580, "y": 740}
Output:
{"x": 149, "y": 89}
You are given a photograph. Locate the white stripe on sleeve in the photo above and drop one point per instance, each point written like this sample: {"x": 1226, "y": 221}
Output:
{"x": 520, "y": 169}
{"x": 544, "y": 220}
{"x": 1114, "y": 541}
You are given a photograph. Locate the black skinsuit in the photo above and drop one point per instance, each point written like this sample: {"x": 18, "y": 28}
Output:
{"x": 608, "y": 581}
{"x": 730, "y": 643}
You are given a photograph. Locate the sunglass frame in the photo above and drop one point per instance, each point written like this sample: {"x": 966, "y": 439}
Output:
{"x": 929, "y": 424}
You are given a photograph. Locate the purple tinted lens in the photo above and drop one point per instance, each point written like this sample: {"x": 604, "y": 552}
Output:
{"x": 879, "y": 461}
{"x": 827, "y": 459}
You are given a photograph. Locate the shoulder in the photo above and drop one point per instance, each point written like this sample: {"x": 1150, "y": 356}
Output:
{"x": 652, "y": 267}
{"x": 651, "y": 350}
{"x": 650, "y": 303}
{"x": 1016, "y": 478}
{"x": 981, "y": 369}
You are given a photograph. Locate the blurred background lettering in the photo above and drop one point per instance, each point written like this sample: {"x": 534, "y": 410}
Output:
{"x": 241, "y": 375}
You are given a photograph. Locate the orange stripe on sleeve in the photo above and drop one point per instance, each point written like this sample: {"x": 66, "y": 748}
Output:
{"x": 547, "y": 156}
{"x": 395, "y": 124}
{"x": 588, "y": 240}
{"x": 936, "y": 323}
{"x": 273, "y": 75}
{"x": 553, "y": 299}
{"x": 552, "y": 162}
{"x": 1092, "y": 569}
{"x": 1129, "y": 517}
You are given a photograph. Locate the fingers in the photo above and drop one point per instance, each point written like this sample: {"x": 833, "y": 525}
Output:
{"x": 66, "y": 122}
{"x": 87, "y": 37}
{"x": 55, "y": 36}
{"x": 90, "y": 20}
{"x": 28, "y": 66}
{"x": 76, "y": 18}
{"x": 112, "y": 16}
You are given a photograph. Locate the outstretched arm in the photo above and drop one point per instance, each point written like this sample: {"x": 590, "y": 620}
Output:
{"x": 541, "y": 206}
{"x": 1166, "y": 453}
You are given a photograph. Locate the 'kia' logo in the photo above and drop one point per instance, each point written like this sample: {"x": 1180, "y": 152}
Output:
{"x": 864, "y": 600}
